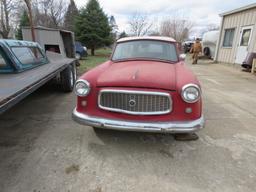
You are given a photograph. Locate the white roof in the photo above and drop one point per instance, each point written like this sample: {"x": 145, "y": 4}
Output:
{"x": 158, "y": 38}
{"x": 239, "y": 9}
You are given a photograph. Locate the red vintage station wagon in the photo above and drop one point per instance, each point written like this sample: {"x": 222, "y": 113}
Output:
{"x": 145, "y": 86}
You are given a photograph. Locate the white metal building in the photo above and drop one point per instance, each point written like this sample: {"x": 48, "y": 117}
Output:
{"x": 237, "y": 35}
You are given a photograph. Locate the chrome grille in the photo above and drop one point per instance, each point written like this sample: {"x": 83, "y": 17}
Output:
{"x": 135, "y": 102}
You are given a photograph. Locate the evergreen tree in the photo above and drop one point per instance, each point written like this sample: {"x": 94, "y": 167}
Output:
{"x": 122, "y": 35}
{"x": 92, "y": 27}
{"x": 70, "y": 16}
{"x": 114, "y": 27}
{"x": 24, "y": 21}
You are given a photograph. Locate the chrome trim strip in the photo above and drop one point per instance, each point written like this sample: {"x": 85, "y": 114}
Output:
{"x": 135, "y": 92}
{"x": 169, "y": 127}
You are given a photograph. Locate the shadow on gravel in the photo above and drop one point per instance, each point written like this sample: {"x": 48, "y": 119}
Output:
{"x": 132, "y": 143}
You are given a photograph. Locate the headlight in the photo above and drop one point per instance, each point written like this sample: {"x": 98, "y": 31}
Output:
{"x": 82, "y": 88}
{"x": 191, "y": 93}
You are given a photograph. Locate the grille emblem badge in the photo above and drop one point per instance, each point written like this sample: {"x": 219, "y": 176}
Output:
{"x": 132, "y": 103}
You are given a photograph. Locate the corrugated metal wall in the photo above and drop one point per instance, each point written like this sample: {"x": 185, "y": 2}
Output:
{"x": 237, "y": 20}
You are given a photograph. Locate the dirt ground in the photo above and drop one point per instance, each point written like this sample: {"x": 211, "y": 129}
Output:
{"x": 42, "y": 149}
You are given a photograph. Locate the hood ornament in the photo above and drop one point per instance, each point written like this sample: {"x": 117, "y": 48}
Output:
{"x": 135, "y": 75}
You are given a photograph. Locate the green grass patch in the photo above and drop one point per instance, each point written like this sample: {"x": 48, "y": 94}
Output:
{"x": 103, "y": 52}
{"x": 87, "y": 63}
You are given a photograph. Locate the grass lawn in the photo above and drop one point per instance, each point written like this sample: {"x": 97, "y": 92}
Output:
{"x": 87, "y": 63}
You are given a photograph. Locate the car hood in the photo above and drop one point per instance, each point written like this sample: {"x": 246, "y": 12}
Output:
{"x": 146, "y": 74}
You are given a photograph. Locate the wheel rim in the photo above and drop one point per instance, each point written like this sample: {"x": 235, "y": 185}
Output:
{"x": 75, "y": 75}
{"x": 71, "y": 78}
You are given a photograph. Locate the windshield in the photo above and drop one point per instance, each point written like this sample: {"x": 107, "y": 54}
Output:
{"x": 145, "y": 49}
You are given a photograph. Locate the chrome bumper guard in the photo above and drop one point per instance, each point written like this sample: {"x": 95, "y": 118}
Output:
{"x": 169, "y": 127}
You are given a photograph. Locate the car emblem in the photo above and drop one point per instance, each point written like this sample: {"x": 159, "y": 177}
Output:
{"x": 132, "y": 103}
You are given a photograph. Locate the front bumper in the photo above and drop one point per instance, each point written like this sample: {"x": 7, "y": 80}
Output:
{"x": 169, "y": 127}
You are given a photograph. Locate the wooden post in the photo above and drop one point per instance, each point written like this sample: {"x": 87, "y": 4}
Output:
{"x": 28, "y": 3}
{"x": 253, "y": 66}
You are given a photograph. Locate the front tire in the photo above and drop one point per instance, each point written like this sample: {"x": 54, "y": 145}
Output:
{"x": 207, "y": 51}
{"x": 68, "y": 78}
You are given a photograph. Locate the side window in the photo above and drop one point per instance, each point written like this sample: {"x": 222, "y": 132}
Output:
{"x": 28, "y": 55}
{"x": 245, "y": 37}
{"x": 228, "y": 37}
{"x": 3, "y": 63}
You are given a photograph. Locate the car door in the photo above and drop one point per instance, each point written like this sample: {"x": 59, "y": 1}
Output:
{"x": 244, "y": 43}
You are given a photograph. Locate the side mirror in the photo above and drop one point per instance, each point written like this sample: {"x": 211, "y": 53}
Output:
{"x": 182, "y": 57}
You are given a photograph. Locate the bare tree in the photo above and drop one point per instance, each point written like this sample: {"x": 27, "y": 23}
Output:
{"x": 28, "y": 4}
{"x": 176, "y": 27}
{"x": 57, "y": 11}
{"x": 49, "y": 13}
{"x": 212, "y": 27}
{"x": 7, "y": 9}
{"x": 209, "y": 27}
{"x": 140, "y": 24}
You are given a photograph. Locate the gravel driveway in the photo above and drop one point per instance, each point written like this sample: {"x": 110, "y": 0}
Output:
{"x": 42, "y": 149}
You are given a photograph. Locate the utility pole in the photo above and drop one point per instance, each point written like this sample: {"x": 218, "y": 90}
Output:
{"x": 28, "y": 3}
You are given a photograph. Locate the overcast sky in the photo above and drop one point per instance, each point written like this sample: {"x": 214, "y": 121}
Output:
{"x": 201, "y": 12}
